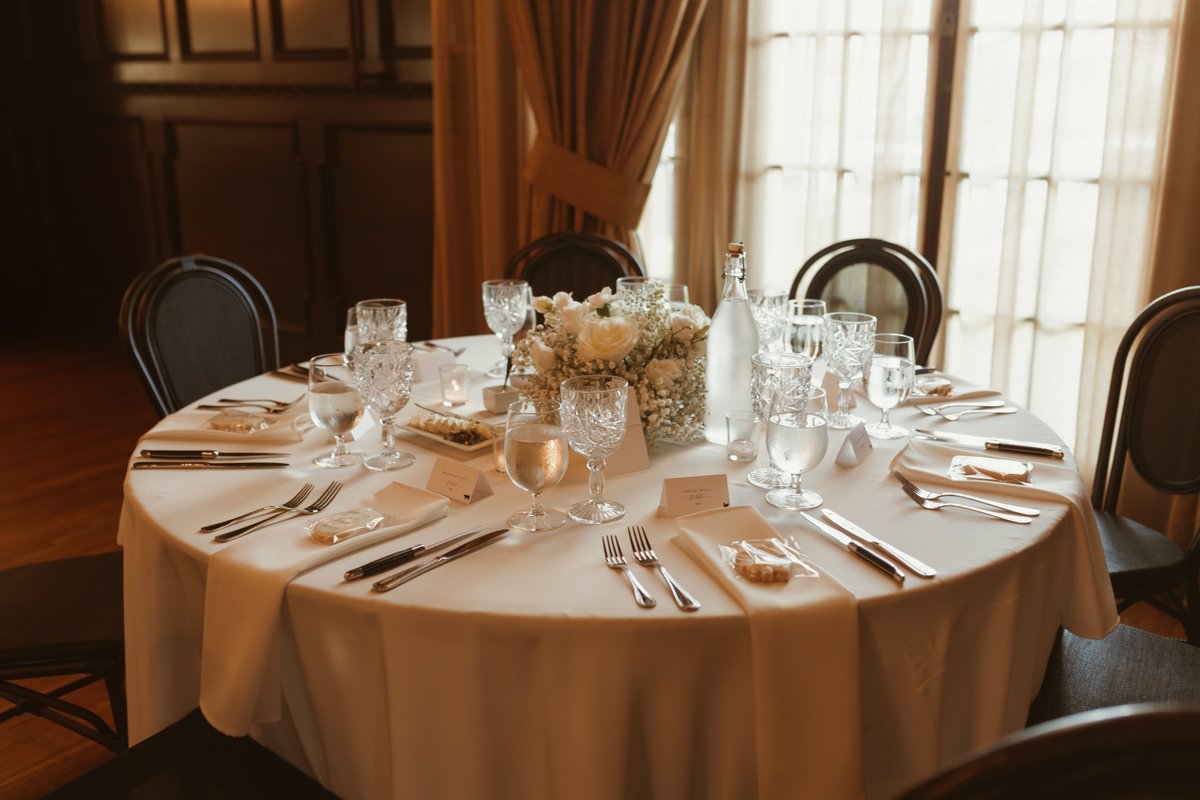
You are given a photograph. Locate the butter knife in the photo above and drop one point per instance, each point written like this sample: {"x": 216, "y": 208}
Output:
{"x": 874, "y": 559}
{"x": 387, "y": 584}
{"x": 387, "y": 562}
{"x": 206, "y": 455}
{"x": 996, "y": 443}
{"x": 916, "y": 565}
{"x": 209, "y": 465}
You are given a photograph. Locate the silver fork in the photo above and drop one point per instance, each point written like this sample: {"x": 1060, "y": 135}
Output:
{"x": 615, "y": 560}
{"x": 935, "y": 505}
{"x": 318, "y": 505}
{"x": 295, "y": 501}
{"x": 956, "y": 415}
{"x": 266, "y": 409}
{"x": 936, "y": 410}
{"x": 928, "y": 495}
{"x": 455, "y": 351}
{"x": 639, "y": 542}
{"x": 276, "y": 403}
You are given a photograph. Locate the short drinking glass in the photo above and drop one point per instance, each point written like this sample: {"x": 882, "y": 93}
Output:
{"x": 593, "y": 416}
{"x": 805, "y": 320}
{"x": 849, "y": 339}
{"x": 797, "y": 438}
{"x": 773, "y": 374}
{"x": 535, "y": 458}
{"x": 384, "y": 374}
{"x": 889, "y": 379}
{"x": 334, "y": 405}
{"x": 506, "y": 304}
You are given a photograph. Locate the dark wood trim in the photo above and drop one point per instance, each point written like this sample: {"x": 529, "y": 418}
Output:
{"x": 284, "y": 53}
{"x": 110, "y": 56}
{"x": 943, "y": 96}
{"x": 185, "y": 39}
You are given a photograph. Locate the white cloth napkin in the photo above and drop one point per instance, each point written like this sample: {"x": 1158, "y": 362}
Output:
{"x": 188, "y": 426}
{"x": 239, "y": 676}
{"x": 804, "y": 639}
{"x": 961, "y": 391}
{"x": 1092, "y": 610}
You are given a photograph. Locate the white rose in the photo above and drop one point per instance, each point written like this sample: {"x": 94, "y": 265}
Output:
{"x": 542, "y": 304}
{"x": 573, "y": 317}
{"x": 663, "y": 371}
{"x": 683, "y": 327}
{"x": 600, "y": 299}
{"x": 544, "y": 357}
{"x": 606, "y": 339}
{"x": 561, "y": 299}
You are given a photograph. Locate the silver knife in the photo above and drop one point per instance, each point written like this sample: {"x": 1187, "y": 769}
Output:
{"x": 387, "y": 584}
{"x": 874, "y": 559}
{"x": 916, "y": 565}
{"x": 385, "y": 563}
{"x": 209, "y": 465}
{"x": 997, "y": 443}
{"x": 206, "y": 454}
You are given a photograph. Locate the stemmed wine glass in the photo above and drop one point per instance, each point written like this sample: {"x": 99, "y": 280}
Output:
{"x": 772, "y": 374}
{"x": 383, "y": 319}
{"x": 593, "y": 416}
{"x": 769, "y": 308}
{"x": 384, "y": 372}
{"x": 805, "y": 319}
{"x": 849, "y": 338}
{"x": 797, "y": 438}
{"x": 506, "y": 304}
{"x": 535, "y": 458}
{"x": 350, "y": 338}
{"x": 889, "y": 379}
{"x": 334, "y": 405}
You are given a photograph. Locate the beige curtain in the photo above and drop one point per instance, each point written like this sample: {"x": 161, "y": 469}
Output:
{"x": 710, "y": 136}
{"x": 1175, "y": 263}
{"x": 602, "y": 79}
{"x": 477, "y": 120}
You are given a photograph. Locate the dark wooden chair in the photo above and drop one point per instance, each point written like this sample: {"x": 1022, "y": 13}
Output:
{"x": 1153, "y": 423}
{"x": 194, "y": 324}
{"x": 63, "y": 619}
{"x": 877, "y": 277}
{"x": 575, "y": 262}
{"x": 1132, "y": 751}
{"x": 1127, "y": 666}
{"x": 191, "y": 760}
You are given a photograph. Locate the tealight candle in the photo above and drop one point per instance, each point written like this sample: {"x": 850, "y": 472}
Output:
{"x": 454, "y": 383}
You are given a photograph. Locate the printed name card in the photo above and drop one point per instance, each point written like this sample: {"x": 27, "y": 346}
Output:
{"x": 856, "y": 447}
{"x": 695, "y": 493}
{"x": 460, "y": 483}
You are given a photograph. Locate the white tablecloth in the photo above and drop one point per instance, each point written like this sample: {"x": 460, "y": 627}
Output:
{"x": 526, "y": 671}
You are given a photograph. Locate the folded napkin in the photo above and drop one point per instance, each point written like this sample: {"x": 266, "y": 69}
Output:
{"x": 243, "y": 601}
{"x": 1091, "y": 609}
{"x": 962, "y": 391}
{"x": 188, "y": 426}
{"x": 804, "y": 640}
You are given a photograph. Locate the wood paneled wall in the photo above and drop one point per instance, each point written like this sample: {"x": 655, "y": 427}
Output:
{"x": 293, "y": 137}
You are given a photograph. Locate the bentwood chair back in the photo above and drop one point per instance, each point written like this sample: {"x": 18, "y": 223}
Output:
{"x": 1131, "y": 751}
{"x": 575, "y": 262}
{"x": 63, "y": 619}
{"x": 194, "y": 324}
{"x": 1152, "y": 423}
{"x": 897, "y": 285}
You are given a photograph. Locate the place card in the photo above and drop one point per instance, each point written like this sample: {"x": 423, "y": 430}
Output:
{"x": 856, "y": 447}
{"x": 359, "y": 431}
{"x": 460, "y": 483}
{"x": 694, "y": 493}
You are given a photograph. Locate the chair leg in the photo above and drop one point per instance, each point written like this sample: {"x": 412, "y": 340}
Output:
{"x": 115, "y": 682}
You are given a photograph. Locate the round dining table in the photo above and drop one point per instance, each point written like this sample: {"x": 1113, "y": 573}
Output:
{"x": 526, "y": 670}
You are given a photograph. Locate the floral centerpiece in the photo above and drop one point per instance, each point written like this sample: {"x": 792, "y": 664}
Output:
{"x": 633, "y": 335}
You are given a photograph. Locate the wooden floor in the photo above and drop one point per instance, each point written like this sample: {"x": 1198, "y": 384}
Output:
{"x": 74, "y": 412}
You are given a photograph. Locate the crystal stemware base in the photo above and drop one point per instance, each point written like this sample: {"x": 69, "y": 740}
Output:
{"x": 548, "y": 520}
{"x": 841, "y": 420}
{"x": 769, "y": 478}
{"x": 589, "y": 512}
{"x": 389, "y": 461}
{"x": 889, "y": 431}
{"x": 786, "y": 499}
{"x": 498, "y": 369}
{"x": 338, "y": 460}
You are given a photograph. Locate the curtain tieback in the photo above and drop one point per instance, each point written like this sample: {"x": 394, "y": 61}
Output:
{"x": 585, "y": 184}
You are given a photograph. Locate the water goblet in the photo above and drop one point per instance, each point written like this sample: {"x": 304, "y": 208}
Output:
{"x": 334, "y": 405}
{"x": 350, "y": 338}
{"x": 676, "y": 295}
{"x": 848, "y": 340}
{"x": 805, "y": 320}
{"x": 593, "y": 417}
{"x": 506, "y": 304}
{"x": 384, "y": 372}
{"x": 797, "y": 438}
{"x": 888, "y": 379}
{"x": 383, "y": 319}
{"x": 535, "y": 458}
{"x": 773, "y": 374}
{"x": 769, "y": 307}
